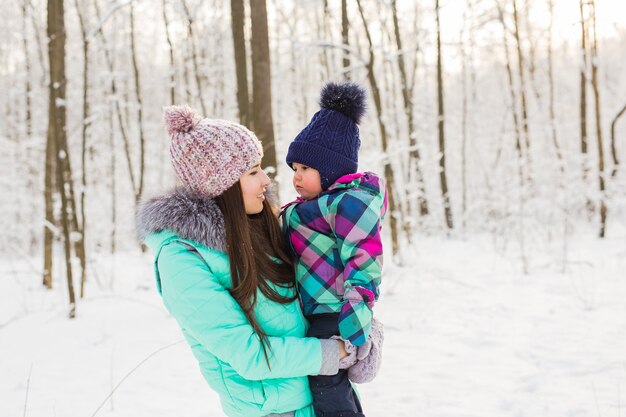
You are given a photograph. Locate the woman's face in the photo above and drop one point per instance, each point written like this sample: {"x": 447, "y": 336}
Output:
{"x": 253, "y": 183}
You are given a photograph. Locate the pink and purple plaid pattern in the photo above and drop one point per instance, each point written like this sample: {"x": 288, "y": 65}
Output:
{"x": 336, "y": 238}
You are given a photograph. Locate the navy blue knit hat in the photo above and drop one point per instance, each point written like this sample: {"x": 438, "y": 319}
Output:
{"x": 330, "y": 142}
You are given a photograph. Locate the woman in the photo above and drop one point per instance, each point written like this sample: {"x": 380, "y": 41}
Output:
{"x": 224, "y": 273}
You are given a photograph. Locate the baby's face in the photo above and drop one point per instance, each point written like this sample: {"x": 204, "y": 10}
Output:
{"x": 306, "y": 181}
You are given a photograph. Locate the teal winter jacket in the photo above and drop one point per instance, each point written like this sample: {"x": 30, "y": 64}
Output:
{"x": 192, "y": 272}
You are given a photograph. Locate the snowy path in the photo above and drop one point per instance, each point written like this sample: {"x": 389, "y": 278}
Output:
{"x": 466, "y": 335}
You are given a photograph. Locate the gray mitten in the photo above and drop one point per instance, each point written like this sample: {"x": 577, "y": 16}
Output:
{"x": 368, "y": 356}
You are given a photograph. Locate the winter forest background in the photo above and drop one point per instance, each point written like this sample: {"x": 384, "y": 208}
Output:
{"x": 498, "y": 124}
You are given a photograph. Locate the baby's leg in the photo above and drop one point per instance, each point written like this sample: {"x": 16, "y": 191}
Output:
{"x": 333, "y": 395}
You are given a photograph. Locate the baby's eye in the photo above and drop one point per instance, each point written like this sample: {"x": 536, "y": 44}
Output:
{"x": 254, "y": 172}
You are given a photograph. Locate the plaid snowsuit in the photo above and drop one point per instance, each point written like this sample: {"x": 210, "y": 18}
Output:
{"x": 337, "y": 241}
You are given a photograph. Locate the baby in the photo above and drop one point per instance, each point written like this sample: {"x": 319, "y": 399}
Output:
{"x": 334, "y": 230}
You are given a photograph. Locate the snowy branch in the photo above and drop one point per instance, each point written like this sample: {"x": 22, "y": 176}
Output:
{"x": 106, "y": 17}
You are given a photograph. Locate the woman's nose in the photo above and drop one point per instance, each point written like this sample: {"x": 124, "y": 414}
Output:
{"x": 266, "y": 179}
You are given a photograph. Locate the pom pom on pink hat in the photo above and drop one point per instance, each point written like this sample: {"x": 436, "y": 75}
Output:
{"x": 180, "y": 119}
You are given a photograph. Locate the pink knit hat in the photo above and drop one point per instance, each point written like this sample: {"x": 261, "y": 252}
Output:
{"x": 209, "y": 155}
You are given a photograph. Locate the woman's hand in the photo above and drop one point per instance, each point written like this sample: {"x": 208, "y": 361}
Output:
{"x": 347, "y": 353}
{"x": 342, "y": 349}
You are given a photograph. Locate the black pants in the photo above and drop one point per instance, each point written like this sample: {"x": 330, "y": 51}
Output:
{"x": 333, "y": 395}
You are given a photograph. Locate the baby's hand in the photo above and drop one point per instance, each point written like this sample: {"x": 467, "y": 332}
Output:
{"x": 369, "y": 356}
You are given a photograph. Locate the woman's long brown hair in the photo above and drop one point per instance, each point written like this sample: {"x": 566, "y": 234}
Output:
{"x": 253, "y": 244}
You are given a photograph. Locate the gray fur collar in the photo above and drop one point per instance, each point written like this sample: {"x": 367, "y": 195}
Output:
{"x": 189, "y": 216}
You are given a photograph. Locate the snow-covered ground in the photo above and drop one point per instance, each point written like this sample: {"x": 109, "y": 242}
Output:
{"x": 467, "y": 334}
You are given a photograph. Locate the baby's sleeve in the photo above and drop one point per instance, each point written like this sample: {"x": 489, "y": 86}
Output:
{"x": 356, "y": 223}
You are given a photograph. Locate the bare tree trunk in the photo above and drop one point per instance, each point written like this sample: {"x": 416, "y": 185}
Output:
{"x": 49, "y": 222}
{"x": 518, "y": 144}
{"x": 109, "y": 61}
{"x": 49, "y": 188}
{"x": 323, "y": 32}
{"x": 22, "y": 156}
{"x": 41, "y": 44}
{"x": 532, "y": 67}
{"x": 509, "y": 73}
{"x": 57, "y": 129}
{"x": 194, "y": 57}
{"x": 13, "y": 133}
{"x": 596, "y": 94}
{"x": 407, "y": 97}
{"x": 613, "y": 148}
{"x": 186, "y": 76}
{"x": 211, "y": 76}
{"x": 389, "y": 174}
{"x": 555, "y": 140}
{"x": 219, "y": 77}
{"x": 262, "y": 84}
{"x": 298, "y": 72}
{"x": 583, "y": 91}
{"x": 345, "y": 38}
{"x": 462, "y": 46}
{"x": 28, "y": 87}
{"x": 113, "y": 190}
{"x": 162, "y": 149}
{"x": 441, "y": 124}
{"x": 142, "y": 139}
{"x": 80, "y": 244}
{"x": 520, "y": 63}
{"x": 389, "y": 82}
{"x": 171, "y": 54}
{"x": 124, "y": 92}
{"x": 241, "y": 61}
